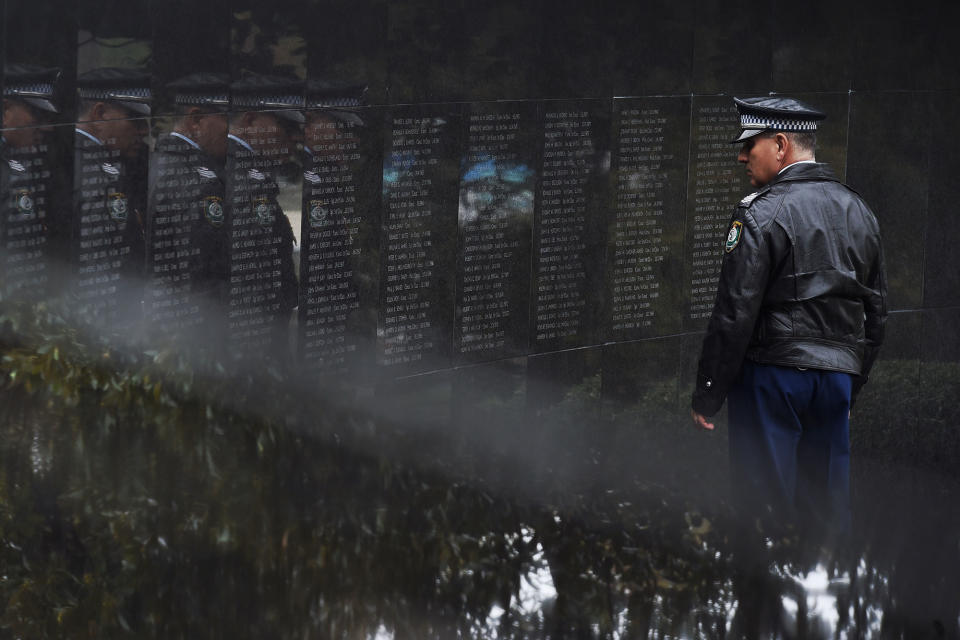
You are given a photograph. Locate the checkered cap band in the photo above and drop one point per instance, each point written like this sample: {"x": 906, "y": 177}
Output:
{"x": 134, "y": 94}
{"x": 32, "y": 90}
{"x": 335, "y": 102}
{"x": 276, "y": 102}
{"x": 748, "y": 121}
{"x": 200, "y": 98}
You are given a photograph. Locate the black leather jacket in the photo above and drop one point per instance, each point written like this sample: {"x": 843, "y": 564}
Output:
{"x": 802, "y": 284}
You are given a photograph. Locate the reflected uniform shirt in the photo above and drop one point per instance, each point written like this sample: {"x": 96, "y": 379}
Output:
{"x": 24, "y": 182}
{"x": 263, "y": 282}
{"x": 108, "y": 234}
{"x": 186, "y": 247}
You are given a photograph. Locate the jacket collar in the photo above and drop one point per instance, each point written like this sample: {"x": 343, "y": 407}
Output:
{"x": 805, "y": 171}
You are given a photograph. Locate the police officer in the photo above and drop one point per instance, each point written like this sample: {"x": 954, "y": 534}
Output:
{"x": 332, "y": 220}
{"x": 110, "y": 190}
{"x": 798, "y": 319}
{"x": 263, "y": 136}
{"x": 28, "y": 107}
{"x": 187, "y": 243}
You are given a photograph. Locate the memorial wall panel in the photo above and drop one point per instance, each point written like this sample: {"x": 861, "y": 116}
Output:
{"x": 111, "y": 162}
{"x": 185, "y": 236}
{"x": 570, "y": 231}
{"x": 340, "y": 240}
{"x": 26, "y": 186}
{"x": 887, "y": 129}
{"x": 658, "y": 62}
{"x": 44, "y": 35}
{"x": 262, "y": 286}
{"x": 263, "y": 178}
{"x": 715, "y": 184}
{"x": 941, "y": 279}
{"x": 496, "y": 205}
{"x": 645, "y": 233}
{"x": 418, "y": 246}
{"x": 185, "y": 201}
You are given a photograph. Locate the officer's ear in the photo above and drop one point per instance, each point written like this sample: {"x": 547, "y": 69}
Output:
{"x": 193, "y": 116}
{"x": 782, "y": 142}
{"x": 783, "y": 145}
{"x": 98, "y": 111}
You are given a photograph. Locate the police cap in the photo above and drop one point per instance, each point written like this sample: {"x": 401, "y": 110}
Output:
{"x": 129, "y": 88}
{"x": 774, "y": 113}
{"x": 283, "y": 96}
{"x": 338, "y": 100}
{"x": 33, "y": 84}
{"x": 202, "y": 89}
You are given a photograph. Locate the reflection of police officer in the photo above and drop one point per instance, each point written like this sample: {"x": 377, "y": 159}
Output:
{"x": 187, "y": 248}
{"x": 263, "y": 282}
{"x": 329, "y": 288}
{"x": 110, "y": 192}
{"x": 797, "y": 323}
{"x": 28, "y": 104}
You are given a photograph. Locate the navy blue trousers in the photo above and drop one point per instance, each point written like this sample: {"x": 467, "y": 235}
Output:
{"x": 790, "y": 445}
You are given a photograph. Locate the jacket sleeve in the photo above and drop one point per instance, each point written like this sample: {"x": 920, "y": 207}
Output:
{"x": 743, "y": 280}
{"x": 875, "y": 319}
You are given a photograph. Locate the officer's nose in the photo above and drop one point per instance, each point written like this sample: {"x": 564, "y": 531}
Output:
{"x": 744, "y": 154}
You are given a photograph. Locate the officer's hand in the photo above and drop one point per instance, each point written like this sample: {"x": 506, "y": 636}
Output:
{"x": 701, "y": 421}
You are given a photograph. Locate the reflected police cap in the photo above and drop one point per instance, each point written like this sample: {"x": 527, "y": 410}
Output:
{"x": 338, "y": 100}
{"x": 283, "y": 96}
{"x": 202, "y": 89}
{"x": 129, "y": 88}
{"x": 32, "y": 84}
{"x": 775, "y": 113}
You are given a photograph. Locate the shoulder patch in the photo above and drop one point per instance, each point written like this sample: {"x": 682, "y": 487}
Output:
{"x": 733, "y": 237}
{"x": 746, "y": 202}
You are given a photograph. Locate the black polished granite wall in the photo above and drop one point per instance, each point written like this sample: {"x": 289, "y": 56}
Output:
{"x": 517, "y": 229}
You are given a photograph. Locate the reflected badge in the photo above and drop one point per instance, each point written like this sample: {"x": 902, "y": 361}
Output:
{"x": 263, "y": 210}
{"x": 23, "y": 202}
{"x": 319, "y": 215}
{"x": 213, "y": 210}
{"x": 117, "y": 206}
